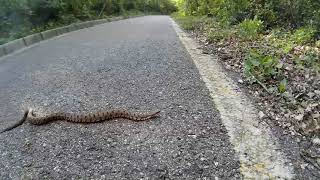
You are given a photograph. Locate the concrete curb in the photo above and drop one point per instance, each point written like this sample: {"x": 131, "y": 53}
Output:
{"x": 62, "y": 30}
{"x": 48, "y": 34}
{"x": 83, "y": 25}
{"x": 17, "y": 44}
{"x": 14, "y": 45}
{"x": 2, "y": 52}
{"x": 71, "y": 27}
{"x": 34, "y": 38}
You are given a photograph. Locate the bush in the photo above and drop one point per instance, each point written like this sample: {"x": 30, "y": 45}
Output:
{"x": 167, "y": 7}
{"x": 188, "y": 22}
{"x": 260, "y": 66}
{"x": 310, "y": 59}
{"x": 250, "y": 29}
{"x": 280, "y": 40}
{"x": 219, "y": 34}
{"x": 303, "y": 35}
{"x": 274, "y": 13}
{"x": 284, "y": 41}
{"x": 132, "y": 13}
{"x": 268, "y": 17}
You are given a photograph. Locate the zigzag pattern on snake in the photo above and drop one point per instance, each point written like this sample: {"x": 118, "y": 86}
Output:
{"x": 82, "y": 118}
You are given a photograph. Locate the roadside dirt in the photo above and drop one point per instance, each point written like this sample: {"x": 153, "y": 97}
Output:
{"x": 301, "y": 141}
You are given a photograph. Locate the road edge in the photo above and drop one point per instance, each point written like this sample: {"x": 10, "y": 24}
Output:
{"x": 259, "y": 153}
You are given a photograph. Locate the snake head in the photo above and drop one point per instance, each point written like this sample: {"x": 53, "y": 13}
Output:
{"x": 31, "y": 112}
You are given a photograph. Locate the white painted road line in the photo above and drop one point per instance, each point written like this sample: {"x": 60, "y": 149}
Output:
{"x": 258, "y": 150}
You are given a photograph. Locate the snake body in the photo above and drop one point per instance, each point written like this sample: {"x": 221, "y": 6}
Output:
{"x": 81, "y": 118}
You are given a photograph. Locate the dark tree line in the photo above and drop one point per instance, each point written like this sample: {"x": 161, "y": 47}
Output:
{"x": 284, "y": 13}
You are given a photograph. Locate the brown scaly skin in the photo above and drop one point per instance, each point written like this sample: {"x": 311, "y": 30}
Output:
{"x": 82, "y": 118}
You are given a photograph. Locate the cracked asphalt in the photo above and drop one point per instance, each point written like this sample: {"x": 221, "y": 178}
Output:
{"x": 136, "y": 64}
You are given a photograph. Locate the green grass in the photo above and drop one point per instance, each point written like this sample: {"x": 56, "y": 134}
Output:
{"x": 188, "y": 22}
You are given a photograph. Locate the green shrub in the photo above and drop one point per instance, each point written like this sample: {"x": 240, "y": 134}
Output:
{"x": 167, "y": 6}
{"x": 303, "y": 35}
{"x": 283, "y": 46}
{"x": 249, "y": 29}
{"x": 274, "y": 13}
{"x": 268, "y": 16}
{"x": 219, "y": 34}
{"x": 280, "y": 40}
{"x": 311, "y": 59}
{"x": 284, "y": 41}
{"x": 260, "y": 66}
{"x": 133, "y": 12}
{"x": 215, "y": 36}
{"x": 68, "y": 19}
{"x": 188, "y": 22}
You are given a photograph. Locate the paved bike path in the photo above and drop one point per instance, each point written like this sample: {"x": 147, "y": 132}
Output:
{"x": 137, "y": 64}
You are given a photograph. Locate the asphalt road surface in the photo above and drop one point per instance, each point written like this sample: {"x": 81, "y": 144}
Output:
{"x": 136, "y": 64}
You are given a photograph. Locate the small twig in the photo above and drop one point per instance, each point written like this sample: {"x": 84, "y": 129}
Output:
{"x": 304, "y": 155}
{"x": 298, "y": 95}
{"x": 260, "y": 83}
{"x": 310, "y": 155}
{"x": 104, "y": 6}
{"x": 312, "y": 173}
